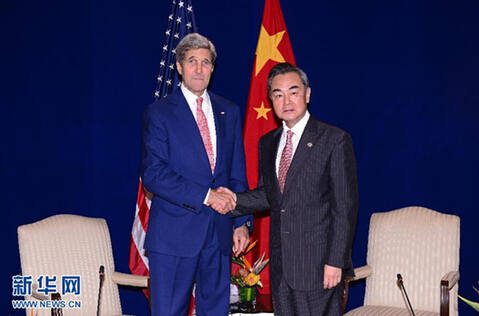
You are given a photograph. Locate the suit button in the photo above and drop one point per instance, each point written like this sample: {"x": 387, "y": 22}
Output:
{"x": 214, "y": 180}
{"x": 283, "y": 210}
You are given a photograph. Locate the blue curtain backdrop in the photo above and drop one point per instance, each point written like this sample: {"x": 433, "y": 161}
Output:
{"x": 400, "y": 76}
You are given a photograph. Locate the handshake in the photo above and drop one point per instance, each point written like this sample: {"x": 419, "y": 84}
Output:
{"x": 222, "y": 200}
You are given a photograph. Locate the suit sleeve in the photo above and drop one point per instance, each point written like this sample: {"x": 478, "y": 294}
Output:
{"x": 344, "y": 206}
{"x": 252, "y": 201}
{"x": 157, "y": 177}
{"x": 238, "y": 182}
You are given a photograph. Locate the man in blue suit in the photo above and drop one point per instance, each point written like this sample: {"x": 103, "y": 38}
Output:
{"x": 192, "y": 144}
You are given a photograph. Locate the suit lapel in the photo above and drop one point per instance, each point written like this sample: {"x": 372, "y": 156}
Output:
{"x": 220, "y": 125}
{"x": 303, "y": 151}
{"x": 271, "y": 161}
{"x": 187, "y": 121}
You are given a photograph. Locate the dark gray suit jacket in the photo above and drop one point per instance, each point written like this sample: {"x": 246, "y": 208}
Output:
{"x": 313, "y": 221}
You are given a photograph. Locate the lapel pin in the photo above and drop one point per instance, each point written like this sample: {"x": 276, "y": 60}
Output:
{"x": 222, "y": 112}
{"x": 310, "y": 145}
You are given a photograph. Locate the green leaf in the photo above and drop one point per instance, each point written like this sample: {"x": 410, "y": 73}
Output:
{"x": 236, "y": 280}
{"x": 238, "y": 261}
{"x": 472, "y": 304}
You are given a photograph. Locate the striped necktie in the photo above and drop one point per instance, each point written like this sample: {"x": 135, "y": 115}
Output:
{"x": 205, "y": 133}
{"x": 285, "y": 161}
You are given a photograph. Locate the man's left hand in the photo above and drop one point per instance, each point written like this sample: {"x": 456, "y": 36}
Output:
{"x": 240, "y": 240}
{"x": 332, "y": 276}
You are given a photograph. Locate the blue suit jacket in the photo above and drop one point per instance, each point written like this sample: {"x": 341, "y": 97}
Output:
{"x": 176, "y": 170}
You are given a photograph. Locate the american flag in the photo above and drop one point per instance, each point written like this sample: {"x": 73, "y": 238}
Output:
{"x": 181, "y": 22}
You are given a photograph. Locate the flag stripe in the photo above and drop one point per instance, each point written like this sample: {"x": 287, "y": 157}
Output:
{"x": 137, "y": 265}
{"x": 138, "y": 262}
{"x": 142, "y": 207}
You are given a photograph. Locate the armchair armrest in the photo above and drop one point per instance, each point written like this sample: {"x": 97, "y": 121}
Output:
{"x": 130, "y": 279}
{"x": 452, "y": 277}
{"x": 361, "y": 273}
{"x": 447, "y": 282}
{"x": 37, "y": 295}
{"x": 55, "y": 311}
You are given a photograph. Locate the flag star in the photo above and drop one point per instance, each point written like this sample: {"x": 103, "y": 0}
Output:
{"x": 178, "y": 19}
{"x": 177, "y": 35}
{"x": 262, "y": 111}
{"x": 172, "y": 66}
{"x": 157, "y": 94}
{"x": 181, "y": 4}
{"x": 160, "y": 78}
{"x": 168, "y": 82}
{"x": 173, "y": 51}
{"x": 268, "y": 48}
{"x": 189, "y": 8}
{"x": 168, "y": 32}
{"x": 179, "y": 84}
{"x": 188, "y": 25}
{"x": 162, "y": 63}
{"x": 165, "y": 48}
{"x": 170, "y": 17}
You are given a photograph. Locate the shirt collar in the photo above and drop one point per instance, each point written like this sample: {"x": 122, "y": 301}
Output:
{"x": 191, "y": 97}
{"x": 299, "y": 127}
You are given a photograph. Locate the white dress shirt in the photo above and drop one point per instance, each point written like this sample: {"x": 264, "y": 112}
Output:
{"x": 297, "y": 130}
{"x": 207, "y": 109}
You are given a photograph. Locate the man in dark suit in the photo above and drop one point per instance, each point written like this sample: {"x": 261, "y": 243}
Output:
{"x": 308, "y": 181}
{"x": 192, "y": 144}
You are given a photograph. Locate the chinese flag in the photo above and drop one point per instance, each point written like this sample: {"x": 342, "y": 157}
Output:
{"x": 273, "y": 47}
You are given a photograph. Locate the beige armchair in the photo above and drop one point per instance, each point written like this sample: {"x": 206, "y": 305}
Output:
{"x": 423, "y": 246}
{"x": 74, "y": 245}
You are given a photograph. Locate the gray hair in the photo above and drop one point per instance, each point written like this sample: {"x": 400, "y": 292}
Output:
{"x": 284, "y": 68}
{"x": 194, "y": 41}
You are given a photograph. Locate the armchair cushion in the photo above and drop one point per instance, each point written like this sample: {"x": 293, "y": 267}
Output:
{"x": 386, "y": 311}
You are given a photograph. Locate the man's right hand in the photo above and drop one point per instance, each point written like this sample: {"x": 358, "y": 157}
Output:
{"x": 221, "y": 200}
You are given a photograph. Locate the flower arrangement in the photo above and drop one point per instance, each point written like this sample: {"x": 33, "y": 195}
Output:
{"x": 248, "y": 275}
{"x": 471, "y": 303}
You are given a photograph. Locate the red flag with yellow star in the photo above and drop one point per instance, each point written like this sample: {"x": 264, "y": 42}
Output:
{"x": 273, "y": 47}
